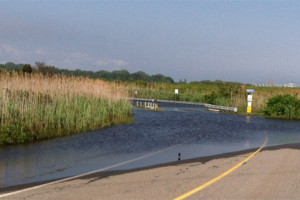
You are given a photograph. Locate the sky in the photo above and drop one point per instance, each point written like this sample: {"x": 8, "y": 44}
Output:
{"x": 244, "y": 41}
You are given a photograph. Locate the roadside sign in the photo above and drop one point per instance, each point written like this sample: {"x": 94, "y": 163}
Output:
{"x": 249, "y": 98}
{"x": 250, "y": 90}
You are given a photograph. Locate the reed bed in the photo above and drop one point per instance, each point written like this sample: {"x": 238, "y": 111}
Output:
{"x": 36, "y": 107}
{"x": 263, "y": 94}
{"x": 228, "y": 95}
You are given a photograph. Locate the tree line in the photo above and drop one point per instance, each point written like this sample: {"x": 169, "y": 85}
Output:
{"x": 117, "y": 75}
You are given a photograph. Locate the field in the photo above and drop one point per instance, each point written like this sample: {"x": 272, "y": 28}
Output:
{"x": 36, "y": 107}
{"x": 222, "y": 93}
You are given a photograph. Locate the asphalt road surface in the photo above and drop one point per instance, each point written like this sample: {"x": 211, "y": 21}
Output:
{"x": 271, "y": 174}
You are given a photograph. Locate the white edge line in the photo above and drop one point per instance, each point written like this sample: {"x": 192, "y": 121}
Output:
{"x": 85, "y": 174}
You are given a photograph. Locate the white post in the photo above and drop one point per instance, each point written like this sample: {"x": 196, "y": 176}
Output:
{"x": 249, "y": 100}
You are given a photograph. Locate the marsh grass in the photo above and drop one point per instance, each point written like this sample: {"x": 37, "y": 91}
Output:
{"x": 36, "y": 107}
{"x": 263, "y": 94}
{"x": 227, "y": 94}
{"x": 283, "y": 106}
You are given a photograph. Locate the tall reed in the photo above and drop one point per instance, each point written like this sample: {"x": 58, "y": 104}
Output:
{"x": 227, "y": 94}
{"x": 35, "y": 107}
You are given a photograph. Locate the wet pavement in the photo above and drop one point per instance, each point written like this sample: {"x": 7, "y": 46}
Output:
{"x": 154, "y": 138}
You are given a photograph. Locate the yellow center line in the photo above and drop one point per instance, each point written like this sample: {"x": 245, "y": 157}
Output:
{"x": 186, "y": 195}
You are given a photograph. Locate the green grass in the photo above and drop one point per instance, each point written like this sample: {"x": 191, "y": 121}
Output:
{"x": 32, "y": 114}
{"x": 34, "y": 118}
{"x": 226, "y": 94}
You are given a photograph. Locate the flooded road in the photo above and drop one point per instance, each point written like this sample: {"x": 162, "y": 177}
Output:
{"x": 154, "y": 138}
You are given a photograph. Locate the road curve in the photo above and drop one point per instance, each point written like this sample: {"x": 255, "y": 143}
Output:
{"x": 226, "y": 173}
{"x": 271, "y": 174}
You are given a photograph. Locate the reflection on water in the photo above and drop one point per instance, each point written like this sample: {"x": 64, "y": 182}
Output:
{"x": 192, "y": 131}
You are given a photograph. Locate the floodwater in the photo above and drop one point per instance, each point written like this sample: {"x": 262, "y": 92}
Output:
{"x": 154, "y": 138}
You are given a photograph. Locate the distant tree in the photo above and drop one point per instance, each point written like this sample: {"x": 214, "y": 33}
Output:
{"x": 27, "y": 68}
{"x": 141, "y": 76}
{"x": 44, "y": 69}
{"x": 168, "y": 79}
{"x": 105, "y": 75}
{"x": 122, "y": 75}
{"x": 183, "y": 81}
{"x": 118, "y": 75}
{"x": 207, "y": 82}
{"x": 78, "y": 72}
{"x": 219, "y": 82}
{"x": 158, "y": 78}
{"x": 161, "y": 78}
{"x": 11, "y": 66}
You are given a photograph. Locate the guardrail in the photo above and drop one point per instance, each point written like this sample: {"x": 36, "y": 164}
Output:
{"x": 216, "y": 107}
{"x": 147, "y": 104}
{"x": 209, "y": 106}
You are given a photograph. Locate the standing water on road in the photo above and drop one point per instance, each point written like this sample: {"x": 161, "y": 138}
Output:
{"x": 154, "y": 138}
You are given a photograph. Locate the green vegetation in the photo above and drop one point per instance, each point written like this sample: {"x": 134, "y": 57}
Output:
{"x": 142, "y": 85}
{"x": 213, "y": 92}
{"x": 27, "y": 68}
{"x": 11, "y": 67}
{"x": 36, "y": 107}
{"x": 222, "y": 93}
{"x": 263, "y": 94}
{"x": 118, "y": 75}
{"x": 283, "y": 106}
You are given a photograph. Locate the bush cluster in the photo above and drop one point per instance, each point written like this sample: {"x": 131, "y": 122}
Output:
{"x": 283, "y": 106}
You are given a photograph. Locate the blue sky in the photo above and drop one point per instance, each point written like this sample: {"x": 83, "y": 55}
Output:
{"x": 245, "y": 41}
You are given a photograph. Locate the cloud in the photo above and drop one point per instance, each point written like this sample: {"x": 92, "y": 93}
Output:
{"x": 10, "y": 50}
{"x": 75, "y": 60}
{"x": 66, "y": 60}
{"x": 13, "y": 53}
{"x": 107, "y": 62}
{"x": 85, "y": 61}
{"x": 41, "y": 51}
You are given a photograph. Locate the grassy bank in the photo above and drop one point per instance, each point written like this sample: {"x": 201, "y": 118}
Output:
{"x": 222, "y": 94}
{"x": 227, "y": 94}
{"x": 34, "y": 107}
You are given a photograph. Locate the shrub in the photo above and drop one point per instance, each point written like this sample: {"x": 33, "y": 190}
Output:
{"x": 283, "y": 106}
{"x": 27, "y": 68}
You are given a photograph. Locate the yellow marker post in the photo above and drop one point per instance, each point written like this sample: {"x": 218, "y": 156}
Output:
{"x": 249, "y": 109}
{"x": 249, "y": 100}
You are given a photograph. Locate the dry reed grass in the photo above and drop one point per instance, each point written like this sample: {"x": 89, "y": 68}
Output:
{"x": 61, "y": 85}
{"x": 35, "y": 107}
